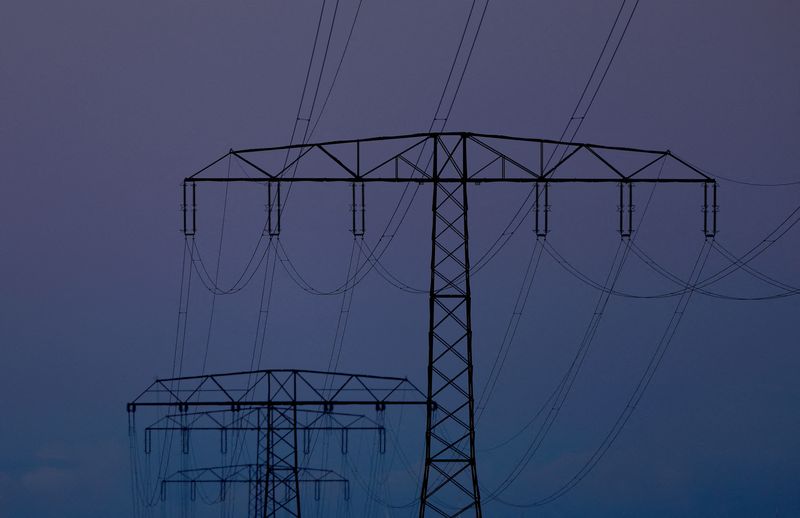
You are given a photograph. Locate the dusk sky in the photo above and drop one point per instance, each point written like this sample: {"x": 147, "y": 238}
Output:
{"x": 107, "y": 106}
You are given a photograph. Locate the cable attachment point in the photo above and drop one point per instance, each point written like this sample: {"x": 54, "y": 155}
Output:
{"x": 274, "y": 209}
{"x": 625, "y": 209}
{"x": 541, "y": 209}
{"x": 710, "y": 211}
{"x": 189, "y": 208}
{"x": 358, "y": 209}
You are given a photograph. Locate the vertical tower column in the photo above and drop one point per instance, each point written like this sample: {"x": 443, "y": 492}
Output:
{"x": 450, "y": 481}
{"x": 283, "y": 495}
{"x": 258, "y": 489}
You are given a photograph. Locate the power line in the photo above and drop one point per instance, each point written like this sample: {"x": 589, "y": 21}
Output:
{"x": 511, "y": 329}
{"x": 742, "y": 182}
{"x": 568, "y": 380}
{"x": 655, "y": 361}
{"x": 637, "y": 394}
{"x": 735, "y": 264}
{"x": 579, "y": 119}
{"x": 442, "y": 121}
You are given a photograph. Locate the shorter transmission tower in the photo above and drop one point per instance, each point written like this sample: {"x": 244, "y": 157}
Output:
{"x": 278, "y": 405}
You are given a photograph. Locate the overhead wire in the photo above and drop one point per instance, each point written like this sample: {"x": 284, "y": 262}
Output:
{"x": 244, "y": 276}
{"x": 338, "y": 67}
{"x": 213, "y": 286}
{"x": 344, "y": 312}
{"x": 387, "y": 235}
{"x": 216, "y": 271}
{"x": 504, "y": 237}
{"x": 735, "y": 264}
{"x": 579, "y": 119}
{"x": 748, "y": 183}
{"x": 373, "y": 258}
{"x": 179, "y": 348}
{"x": 376, "y": 262}
{"x": 449, "y": 110}
{"x": 279, "y": 248}
{"x": 492, "y": 252}
{"x": 247, "y": 274}
{"x": 442, "y": 122}
{"x": 571, "y": 374}
{"x": 562, "y": 390}
{"x": 650, "y": 371}
{"x": 558, "y": 396}
{"x": 754, "y": 272}
{"x": 511, "y": 328}
{"x": 265, "y": 302}
{"x": 636, "y": 395}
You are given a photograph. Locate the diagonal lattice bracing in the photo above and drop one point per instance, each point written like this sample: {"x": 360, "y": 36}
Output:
{"x": 450, "y": 484}
{"x": 277, "y": 387}
{"x": 282, "y": 468}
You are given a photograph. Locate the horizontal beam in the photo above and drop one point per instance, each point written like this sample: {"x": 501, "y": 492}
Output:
{"x": 338, "y": 153}
{"x": 264, "y": 427}
{"x": 278, "y": 388}
{"x": 476, "y": 181}
{"x": 388, "y": 138}
{"x": 223, "y": 403}
{"x": 284, "y": 371}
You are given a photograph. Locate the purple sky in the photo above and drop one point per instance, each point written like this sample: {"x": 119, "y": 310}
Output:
{"x": 106, "y": 106}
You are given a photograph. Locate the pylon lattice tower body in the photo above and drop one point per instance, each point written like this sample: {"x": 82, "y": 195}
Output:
{"x": 450, "y": 469}
{"x": 281, "y": 466}
{"x": 450, "y": 485}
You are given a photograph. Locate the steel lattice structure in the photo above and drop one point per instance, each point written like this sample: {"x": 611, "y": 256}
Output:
{"x": 278, "y": 388}
{"x": 450, "y": 162}
{"x": 276, "y": 404}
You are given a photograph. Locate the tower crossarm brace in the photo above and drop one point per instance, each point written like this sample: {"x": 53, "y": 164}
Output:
{"x": 395, "y": 159}
{"x": 279, "y": 388}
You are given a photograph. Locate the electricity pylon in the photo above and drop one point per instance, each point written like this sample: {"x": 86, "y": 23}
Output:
{"x": 281, "y": 398}
{"x": 449, "y": 163}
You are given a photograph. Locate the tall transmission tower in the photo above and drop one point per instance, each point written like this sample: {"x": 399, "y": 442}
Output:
{"x": 454, "y": 162}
